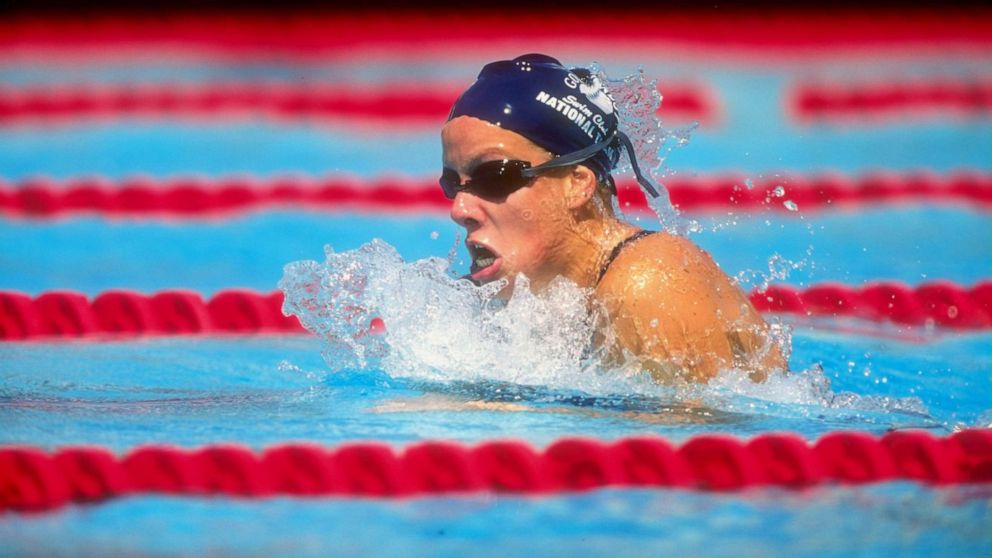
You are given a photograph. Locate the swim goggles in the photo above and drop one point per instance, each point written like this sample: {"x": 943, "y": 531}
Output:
{"x": 492, "y": 179}
{"x": 500, "y": 178}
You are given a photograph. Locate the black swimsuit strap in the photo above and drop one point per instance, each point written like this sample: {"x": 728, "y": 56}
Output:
{"x": 619, "y": 248}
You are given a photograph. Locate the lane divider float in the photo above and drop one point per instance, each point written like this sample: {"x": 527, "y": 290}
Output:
{"x": 195, "y": 197}
{"x": 218, "y": 101}
{"x": 938, "y": 303}
{"x": 392, "y": 103}
{"x": 403, "y": 34}
{"x": 865, "y": 102}
{"x": 34, "y": 480}
{"x": 127, "y": 313}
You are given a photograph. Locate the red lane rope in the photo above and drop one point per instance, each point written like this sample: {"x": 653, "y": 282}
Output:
{"x": 206, "y": 196}
{"x": 116, "y": 313}
{"x": 33, "y": 480}
{"x": 63, "y": 313}
{"x": 313, "y": 33}
{"x": 408, "y": 103}
{"x": 939, "y": 303}
{"x": 858, "y": 101}
{"x": 396, "y": 103}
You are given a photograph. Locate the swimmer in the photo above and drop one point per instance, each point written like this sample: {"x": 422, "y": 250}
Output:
{"x": 527, "y": 152}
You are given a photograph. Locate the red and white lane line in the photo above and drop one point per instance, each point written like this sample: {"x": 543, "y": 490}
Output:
{"x": 204, "y": 197}
{"x": 122, "y": 313}
{"x": 888, "y": 100}
{"x": 472, "y": 34}
{"x": 398, "y": 104}
{"x": 32, "y": 480}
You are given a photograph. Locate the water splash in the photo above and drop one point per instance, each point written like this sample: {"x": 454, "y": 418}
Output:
{"x": 806, "y": 393}
{"x": 440, "y": 328}
{"x": 443, "y": 330}
{"x": 329, "y": 300}
{"x": 637, "y": 100}
{"x": 779, "y": 269}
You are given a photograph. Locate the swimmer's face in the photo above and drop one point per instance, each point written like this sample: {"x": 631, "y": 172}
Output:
{"x": 519, "y": 233}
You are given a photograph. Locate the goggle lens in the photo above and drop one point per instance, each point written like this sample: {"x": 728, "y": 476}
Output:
{"x": 492, "y": 179}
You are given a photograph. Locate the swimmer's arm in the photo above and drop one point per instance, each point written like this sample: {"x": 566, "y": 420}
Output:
{"x": 442, "y": 402}
{"x": 687, "y": 412}
{"x": 670, "y": 305}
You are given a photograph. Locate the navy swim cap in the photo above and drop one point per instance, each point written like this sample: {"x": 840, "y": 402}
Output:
{"x": 568, "y": 112}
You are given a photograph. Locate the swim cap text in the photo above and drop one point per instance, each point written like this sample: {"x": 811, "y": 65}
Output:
{"x": 576, "y": 111}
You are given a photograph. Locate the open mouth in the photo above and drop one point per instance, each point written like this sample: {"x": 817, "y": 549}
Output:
{"x": 485, "y": 262}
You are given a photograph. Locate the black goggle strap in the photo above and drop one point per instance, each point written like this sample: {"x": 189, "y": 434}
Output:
{"x": 576, "y": 157}
{"x": 571, "y": 158}
{"x": 585, "y": 153}
{"x": 642, "y": 179}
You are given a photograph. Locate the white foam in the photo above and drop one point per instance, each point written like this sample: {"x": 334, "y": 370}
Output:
{"x": 447, "y": 330}
{"x": 808, "y": 391}
{"x": 637, "y": 100}
{"x": 444, "y": 329}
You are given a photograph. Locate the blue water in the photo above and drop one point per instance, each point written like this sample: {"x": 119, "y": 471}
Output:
{"x": 91, "y": 255}
{"x": 266, "y": 148}
{"x": 887, "y": 520}
{"x": 264, "y": 391}
{"x": 751, "y": 133}
{"x": 259, "y": 391}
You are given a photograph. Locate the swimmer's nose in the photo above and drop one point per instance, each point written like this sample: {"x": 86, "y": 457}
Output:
{"x": 465, "y": 211}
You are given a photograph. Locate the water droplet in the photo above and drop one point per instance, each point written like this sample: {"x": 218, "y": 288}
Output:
{"x": 790, "y": 205}
{"x": 749, "y": 183}
{"x": 778, "y": 192}
{"x": 435, "y": 235}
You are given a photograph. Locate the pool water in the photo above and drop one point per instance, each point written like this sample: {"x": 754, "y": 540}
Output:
{"x": 264, "y": 390}
{"x": 906, "y": 243}
{"x": 885, "y": 520}
{"x": 260, "y": 391}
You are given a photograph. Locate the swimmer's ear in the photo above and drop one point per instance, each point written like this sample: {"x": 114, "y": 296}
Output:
{"x": 581, "y": 186}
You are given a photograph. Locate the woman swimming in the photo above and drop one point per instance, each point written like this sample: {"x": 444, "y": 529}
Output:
{"x": 528, "y": 152}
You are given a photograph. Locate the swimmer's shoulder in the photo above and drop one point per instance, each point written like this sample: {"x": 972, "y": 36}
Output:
{"x": 660, "y": 256}
{"x": 667, "y": 298}
{"x": 662, "y": 306}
